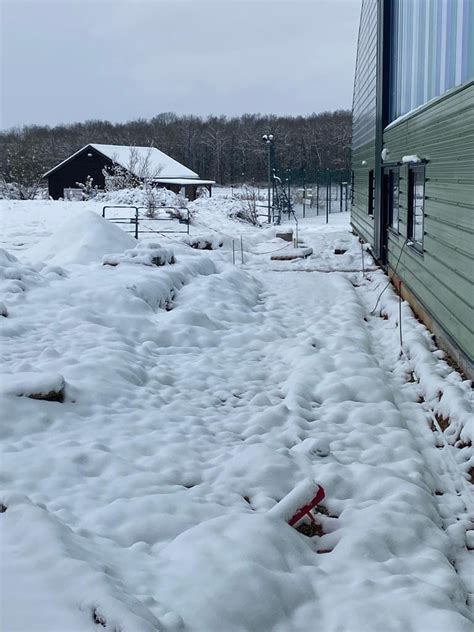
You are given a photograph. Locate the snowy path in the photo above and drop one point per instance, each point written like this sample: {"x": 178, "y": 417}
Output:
{"x": 147, "y": 489}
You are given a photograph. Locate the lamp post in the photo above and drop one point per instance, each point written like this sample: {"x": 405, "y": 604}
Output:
{"x": 268, "y": 140}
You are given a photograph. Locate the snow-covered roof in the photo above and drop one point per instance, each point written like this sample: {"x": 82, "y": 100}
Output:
{"x": 183, "y": 181}
{"x": 159, "y": 163}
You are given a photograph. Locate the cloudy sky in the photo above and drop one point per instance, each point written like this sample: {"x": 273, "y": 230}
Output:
{"x": 71, "y": 60}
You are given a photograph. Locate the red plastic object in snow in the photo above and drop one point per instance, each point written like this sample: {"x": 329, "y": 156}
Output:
{"x": 306, "y": 509}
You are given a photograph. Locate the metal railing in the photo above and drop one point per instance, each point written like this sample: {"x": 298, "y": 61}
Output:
{"x": 137, "y": 219}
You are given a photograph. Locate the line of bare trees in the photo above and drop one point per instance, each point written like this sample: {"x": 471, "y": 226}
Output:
{"x": 228, "y": 150}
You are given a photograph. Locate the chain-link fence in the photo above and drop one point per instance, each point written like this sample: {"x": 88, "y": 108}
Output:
{"x": 318, "y": 192}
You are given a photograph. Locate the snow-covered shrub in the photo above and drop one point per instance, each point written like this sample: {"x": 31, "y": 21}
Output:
{"x": 87, "y": 188}
{"x": 248, "y": 192}
{"x": 229, "y": 207}
{"x": 203, "y": 192}
{"x": 145, "y": 253}
{"x": 249, "y": 197}
{"x": 16, "y": 191}
{"x": 204, "y": 242}
{"x": 138, "y": 196}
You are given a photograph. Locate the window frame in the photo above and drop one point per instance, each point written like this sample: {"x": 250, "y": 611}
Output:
{"x": 371, "y": 193}
{"x": 393, "y": 174}
{"x": 413, "y": 170}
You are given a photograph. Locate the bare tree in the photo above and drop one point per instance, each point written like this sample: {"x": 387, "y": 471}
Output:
{"x": 138, "y": 171}
{"x": 218, "y": 148}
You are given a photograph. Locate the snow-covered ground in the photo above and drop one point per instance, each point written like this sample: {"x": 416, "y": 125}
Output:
{"x": 195, "y": 396}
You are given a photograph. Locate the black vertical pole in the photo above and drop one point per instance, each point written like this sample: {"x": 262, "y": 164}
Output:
{"x": 269, "y": 145}
{"x": 304, "y": 198}
{"x": 317, "y": 194}
{"x": 340, "y": 195}
{"x": 384, "y": 53}
{"x": 289, "y": 193}
{"x": 328, "y": 193}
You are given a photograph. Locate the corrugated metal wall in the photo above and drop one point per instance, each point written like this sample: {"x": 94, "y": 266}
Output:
{"x": 363, "y": 127}
{"x": 442, "y": 276}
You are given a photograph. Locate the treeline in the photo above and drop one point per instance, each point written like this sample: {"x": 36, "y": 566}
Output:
{"x": 225, "y": 149}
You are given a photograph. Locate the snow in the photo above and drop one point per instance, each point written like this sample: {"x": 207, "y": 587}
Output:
{"x": 147, "y": 253}
{"x": 82, "y": 238}
{"x": 297, "y": 498}
{"x": 202, "y": 397}
{"x": 158, "y": 162}
{"x": 410, "y": 158}
{"x": 28, "y": 384}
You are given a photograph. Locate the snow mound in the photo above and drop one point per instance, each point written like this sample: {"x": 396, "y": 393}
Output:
{"x": 35, "y": 385}
{"x": 82, "y": 238}
{"x": 247, "y": 570}
{"x": 15, "y": 277}
{"x": 207, "y": 241}
{"x": 54, "y": 579}
{"x": 144, "y": 253}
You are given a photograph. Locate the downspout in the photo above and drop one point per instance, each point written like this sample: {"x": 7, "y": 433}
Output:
{"x": 381, "y": 121}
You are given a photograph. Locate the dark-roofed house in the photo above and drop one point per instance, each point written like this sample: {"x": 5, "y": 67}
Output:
{"x": 142, "y": 162}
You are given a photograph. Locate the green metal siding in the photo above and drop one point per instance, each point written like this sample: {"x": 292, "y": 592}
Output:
{"x": 441, "y": 278}
{"x": 364, "y": 119}
{"x": 362, "y": 222}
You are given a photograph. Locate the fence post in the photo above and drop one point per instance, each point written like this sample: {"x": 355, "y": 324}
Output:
{"x": 242, "y": 249}
{"x": 136, "y": 222}
{"x": 328, "y": 197}
{"x": 233, "y": 252}
{"x": 289, "y": 193}
{"x": 304, "y": 199}
{"x": 340, "y": 195}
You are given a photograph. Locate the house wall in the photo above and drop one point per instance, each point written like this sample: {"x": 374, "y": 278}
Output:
{"x": 77, "y": 170}
{"x": 440, "y": 278}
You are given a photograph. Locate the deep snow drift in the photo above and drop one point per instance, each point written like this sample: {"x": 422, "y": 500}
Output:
{"x": 196, "y": 395}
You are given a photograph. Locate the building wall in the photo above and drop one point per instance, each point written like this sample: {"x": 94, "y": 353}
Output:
{"x": 441, "y": 278}
{"x": 438, "y": 281}
{"x": 432, "y": 50}
{"x": 77, "y": 170}
{"x": 363, "y": 126}
{"x": 363, "y": 161}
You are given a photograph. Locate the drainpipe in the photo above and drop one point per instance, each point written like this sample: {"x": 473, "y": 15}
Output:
{"x": 381, "y": 114}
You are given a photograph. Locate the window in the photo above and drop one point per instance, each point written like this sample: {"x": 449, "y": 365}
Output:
{"x": 431, "y": 50}
{"x": 416, "y": 205}
{"x": 371, "y": 193}
{"x": 392, "y": 197}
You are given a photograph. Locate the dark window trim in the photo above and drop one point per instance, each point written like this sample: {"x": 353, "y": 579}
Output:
{"x": 371, "y": 193}
{"x": 393, "y": 171}
{"x": 414, "y": 168}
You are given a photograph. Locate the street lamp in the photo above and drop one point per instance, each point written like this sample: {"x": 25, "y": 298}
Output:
{"x": 268, "y": 140}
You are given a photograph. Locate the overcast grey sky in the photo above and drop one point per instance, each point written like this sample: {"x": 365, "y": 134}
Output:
{"x": 70, "y": 60}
